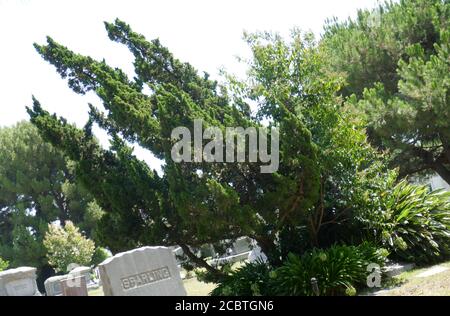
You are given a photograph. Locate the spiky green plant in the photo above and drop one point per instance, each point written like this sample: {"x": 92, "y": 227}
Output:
{"x": 338, "y": 271}
{"x": 412, "y": 222}
{"x": 418, "y": 229}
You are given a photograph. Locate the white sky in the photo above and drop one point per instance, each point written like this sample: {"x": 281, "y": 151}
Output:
{"x": 205, "y": 33}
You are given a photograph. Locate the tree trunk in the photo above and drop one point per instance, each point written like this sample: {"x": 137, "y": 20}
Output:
{"x": 200, "y": 262}
{"x": 269, "y": 249}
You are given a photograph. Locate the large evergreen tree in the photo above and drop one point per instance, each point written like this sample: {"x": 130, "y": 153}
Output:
{"x": 396, "y": 61}
{"x": 191, "y": 204}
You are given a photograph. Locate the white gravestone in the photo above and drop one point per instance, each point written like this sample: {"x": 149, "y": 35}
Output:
{"x": 82, "y": 271}
{"x": 19, "y": 282}
{"x": 146, "y": 271}
{"x": 53, "y": 285}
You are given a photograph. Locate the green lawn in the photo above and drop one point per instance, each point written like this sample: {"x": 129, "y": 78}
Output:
{"x": 409, "y": 284}
{"x": 196, "y": 288}
{"x": 193, "y": 288}
{"x": 96, "y": 292}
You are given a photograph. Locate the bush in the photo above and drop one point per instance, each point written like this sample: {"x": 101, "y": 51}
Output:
{"x": 66, "y": 246}
{"x": 412, "y": 222}
{"x": 253, "y": 279}
{"x": 100, "y": 255}
{"x": 339, "y": 270}
{"x": 3, "y": 264}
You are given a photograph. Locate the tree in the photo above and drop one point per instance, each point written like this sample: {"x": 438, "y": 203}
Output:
{"x": 37, "y": 187}
{"x": 66, "y": 246}
{"x": 192, "y": 204}
{"x": 396, "y": 62}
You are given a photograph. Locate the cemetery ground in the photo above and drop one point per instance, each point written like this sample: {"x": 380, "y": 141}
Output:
{"x": 424, "y": 281}
{"x": 193, "y": 288}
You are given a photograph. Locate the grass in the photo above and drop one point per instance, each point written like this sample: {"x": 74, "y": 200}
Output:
{"x": 411, "y": 285}
{"x": 96, "y": 292}
{"x": 193, "y": 288}
{"x": 196, "y": 288}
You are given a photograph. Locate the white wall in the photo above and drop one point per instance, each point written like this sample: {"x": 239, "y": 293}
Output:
{"x": 437, "y": 182}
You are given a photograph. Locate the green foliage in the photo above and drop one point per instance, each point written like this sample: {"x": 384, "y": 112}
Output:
{"x": 100, "y": 255}
{"x": 367, "y": 49}
{"x": 192, "y": 204}
{"x": 339, "y": 270}
{"x": 410, "y": 221}
{"x": 3, "y": 264}
{"x": 252, "y": 279}
{"x": 66, "y": 246}
{"x": 37, "y": 187}
{"x": 396, "y": 62}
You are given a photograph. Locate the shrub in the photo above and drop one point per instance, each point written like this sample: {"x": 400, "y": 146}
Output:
{"x": 100, "y": 255}
{"x": 412, "y": 222}
{"x": 253, "y": 279}
{"x": 339, "y": 270}
{"x": 3, "y": 264}
{"x": 66, "y": 245}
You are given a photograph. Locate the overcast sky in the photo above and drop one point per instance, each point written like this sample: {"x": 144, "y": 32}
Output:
{"x": 205, "y": 33}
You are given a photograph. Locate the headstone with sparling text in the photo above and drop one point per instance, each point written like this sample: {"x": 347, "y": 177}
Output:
{"x": 146, "y": 271}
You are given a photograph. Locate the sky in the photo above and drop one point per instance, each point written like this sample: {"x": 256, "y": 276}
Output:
{"x": 205, "y": 33}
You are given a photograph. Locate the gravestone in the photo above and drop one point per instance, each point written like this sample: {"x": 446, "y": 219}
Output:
{"x": 82, "y": 271}
{"x": 19, "y": 282}
{"x": 146, "y": 271}
{"x": 74, "y": 286}
{"x": 53, "y": 285}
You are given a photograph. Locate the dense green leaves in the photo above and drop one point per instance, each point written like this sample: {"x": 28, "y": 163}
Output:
{"x": 67, "y": 247}
{"x": 396, "y": 63}
{"x": 3, "y": 264}
{"x": 192, "y": 203}
{"x": 37, "y": 187}
{"x": 327, "y": 168}
{"x": 338, "y": 270}
{"x": 412, "y": 222}
{"x": 252, "y": 279}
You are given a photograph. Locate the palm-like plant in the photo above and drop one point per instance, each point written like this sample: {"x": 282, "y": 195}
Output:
{"x": 416, "y": 222}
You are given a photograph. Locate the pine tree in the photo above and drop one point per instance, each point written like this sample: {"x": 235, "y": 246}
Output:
{"x": 396, "y": 62}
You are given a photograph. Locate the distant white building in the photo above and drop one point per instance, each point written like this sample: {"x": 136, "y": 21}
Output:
{"x": 438, "y": 183}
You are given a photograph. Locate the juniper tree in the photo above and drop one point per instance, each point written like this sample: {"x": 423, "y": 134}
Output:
{"x": 195, "y": 203}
